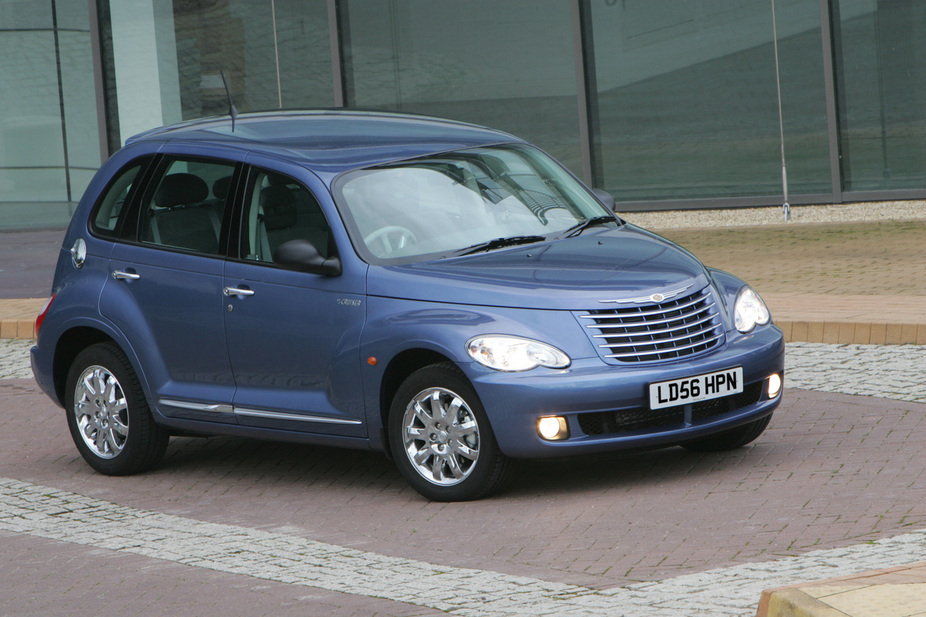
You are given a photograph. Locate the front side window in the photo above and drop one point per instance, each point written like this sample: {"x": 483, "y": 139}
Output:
{"x": 185, "y": 211}
{"x": 278, "y": 209}
{"x": 451, "y": 203}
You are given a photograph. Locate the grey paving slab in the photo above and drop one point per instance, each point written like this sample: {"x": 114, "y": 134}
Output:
{"x": 14, "y": 358}
{"x": 889, "y": 371}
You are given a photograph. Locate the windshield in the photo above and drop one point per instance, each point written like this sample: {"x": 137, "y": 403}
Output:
{"x": 462, "y": 202}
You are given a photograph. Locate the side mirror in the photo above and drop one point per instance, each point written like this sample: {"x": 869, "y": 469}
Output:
{"x": 302, "y": 256}
{"x": 606, "y": 198}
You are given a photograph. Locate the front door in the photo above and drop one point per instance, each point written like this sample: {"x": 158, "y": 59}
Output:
{"x": 293, "y": 337}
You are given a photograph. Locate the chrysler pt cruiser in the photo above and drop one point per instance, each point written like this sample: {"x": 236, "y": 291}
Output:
{"x": 445, "y": 293}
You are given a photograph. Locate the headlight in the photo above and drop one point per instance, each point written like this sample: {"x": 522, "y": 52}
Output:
{"x": 749, "y": 310}
{"x": 513, "y": 353}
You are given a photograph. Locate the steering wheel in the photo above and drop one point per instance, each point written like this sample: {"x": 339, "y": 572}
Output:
{"x": 390, "y": 238}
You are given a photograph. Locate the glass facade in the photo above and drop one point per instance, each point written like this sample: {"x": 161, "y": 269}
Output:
{"x": 882, "y": 86}
{"x": 479, "y": 61}
{"x": 664, "y": 104}
{"x": 49, "y": 138}
{"x": 686, "y": 103}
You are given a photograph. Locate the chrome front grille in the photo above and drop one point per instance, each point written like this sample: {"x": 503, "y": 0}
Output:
{"x": 665, "y": 330}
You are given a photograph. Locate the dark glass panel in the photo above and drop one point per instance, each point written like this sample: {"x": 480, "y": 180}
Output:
{"x": 881, "y": 69}
{"x": 274, "y": 54}
{"x": 509, "y": 65}
{"x": 685, "y": 100}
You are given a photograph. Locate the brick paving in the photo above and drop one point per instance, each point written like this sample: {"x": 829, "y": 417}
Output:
{"x": 834, "y": 471}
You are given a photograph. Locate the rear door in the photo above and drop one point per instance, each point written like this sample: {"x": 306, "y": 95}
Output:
{"x": 165, "y": 288}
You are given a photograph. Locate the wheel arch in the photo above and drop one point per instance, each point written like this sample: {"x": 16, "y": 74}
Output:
{"x": 71, "y": 343}
{"x": 398, "y": 370}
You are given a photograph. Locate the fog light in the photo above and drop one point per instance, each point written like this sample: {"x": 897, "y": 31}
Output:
{"x": 552, "y": 428}
{"x": 774, "y": 385}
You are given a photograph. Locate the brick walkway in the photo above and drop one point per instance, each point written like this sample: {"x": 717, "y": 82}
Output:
{"x": 833, "y": 472}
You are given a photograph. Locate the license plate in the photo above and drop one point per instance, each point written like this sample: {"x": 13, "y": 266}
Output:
{"x": 698, "y": 388}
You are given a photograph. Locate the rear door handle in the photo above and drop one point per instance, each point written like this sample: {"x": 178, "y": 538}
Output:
{"x": 241, "y": 292}
{"x": 121, "y": 275}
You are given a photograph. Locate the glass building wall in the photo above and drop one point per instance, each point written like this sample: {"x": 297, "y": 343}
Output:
{"x": 165, "y": 58}
{"x": 664, "y": 104}
{"x": 509, "y": 65}
{"x": 685, "y": 98}
{"x": 882, "y": 87}
{"x": 49, "y": 138}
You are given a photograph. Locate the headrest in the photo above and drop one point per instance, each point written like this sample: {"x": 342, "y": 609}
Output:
{"x": 279, "y": 207}
{"x": 181, "y": 188}
{"x": 220, "y": 187}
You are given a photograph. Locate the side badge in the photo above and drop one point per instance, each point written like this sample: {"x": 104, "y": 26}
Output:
{"x": 79, "y": 253}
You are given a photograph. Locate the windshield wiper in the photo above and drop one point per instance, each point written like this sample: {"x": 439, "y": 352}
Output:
{"x": 575, "y": 230}
{"x": 498, "y": 243}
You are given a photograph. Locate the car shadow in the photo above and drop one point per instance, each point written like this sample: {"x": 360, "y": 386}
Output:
{"x": 300, "y": 464}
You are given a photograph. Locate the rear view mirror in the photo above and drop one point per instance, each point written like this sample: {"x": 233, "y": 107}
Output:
{"x": 302, "y": 256}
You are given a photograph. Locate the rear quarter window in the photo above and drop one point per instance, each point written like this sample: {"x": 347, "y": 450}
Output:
{"x": 109, "y": 211}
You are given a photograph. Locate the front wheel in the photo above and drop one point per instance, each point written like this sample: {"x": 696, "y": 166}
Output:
{"x": 441, "y": 439}
{"x": 108, "y": 416}
{"x": 730, "y": 439}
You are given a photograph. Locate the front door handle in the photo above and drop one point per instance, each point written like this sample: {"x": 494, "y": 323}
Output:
{"x": 121, "y": 275}
{"x": 241, "y": 292}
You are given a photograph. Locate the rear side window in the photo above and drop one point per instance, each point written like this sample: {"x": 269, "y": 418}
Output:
{"x": 108, "y": 212}
{"x": 186, "y": 208}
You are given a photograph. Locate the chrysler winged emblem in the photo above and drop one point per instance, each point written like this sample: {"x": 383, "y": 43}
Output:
{"x": 658, "y": 297}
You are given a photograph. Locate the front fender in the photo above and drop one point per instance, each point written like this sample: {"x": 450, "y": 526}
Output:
{"x": 395, "y": 327}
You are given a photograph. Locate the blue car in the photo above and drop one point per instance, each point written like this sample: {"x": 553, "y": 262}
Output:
{"x": 441, "y": 292}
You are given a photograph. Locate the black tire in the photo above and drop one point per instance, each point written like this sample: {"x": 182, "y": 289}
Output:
{"x": 730, "y": 439}
{"x": 108, "y": 416}
{"x": 453, "y": 460}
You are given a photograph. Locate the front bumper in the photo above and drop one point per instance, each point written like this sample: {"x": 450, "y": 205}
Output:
{"x": 607, "y": 409}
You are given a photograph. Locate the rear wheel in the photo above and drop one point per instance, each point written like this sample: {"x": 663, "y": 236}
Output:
{"x": 108, "y": 416}
{"x": 730, "y": 439}
{"x": 441, "y": 439}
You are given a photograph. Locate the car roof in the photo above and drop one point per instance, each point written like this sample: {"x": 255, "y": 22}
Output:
{"x": 330, "y": 140}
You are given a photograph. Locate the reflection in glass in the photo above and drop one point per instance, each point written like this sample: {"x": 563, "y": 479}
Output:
{"x": 881, "y": 80}
{"x": 508, "y": 65}
{"x": 458, "y": 203}
{"x": 686, "y": 102}
{"x": 275, "y": 54}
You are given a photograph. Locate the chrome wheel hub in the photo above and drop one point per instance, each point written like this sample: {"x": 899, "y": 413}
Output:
{"x": 101, "y": 412}
{"x": 441, "y": 436}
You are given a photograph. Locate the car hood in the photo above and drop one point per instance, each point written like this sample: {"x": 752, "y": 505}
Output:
{"x": 569, "y": 274}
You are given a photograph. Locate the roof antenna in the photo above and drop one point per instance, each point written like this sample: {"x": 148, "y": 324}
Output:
{"x": 786, "y": 207}
{"x": 232, "y": 110}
